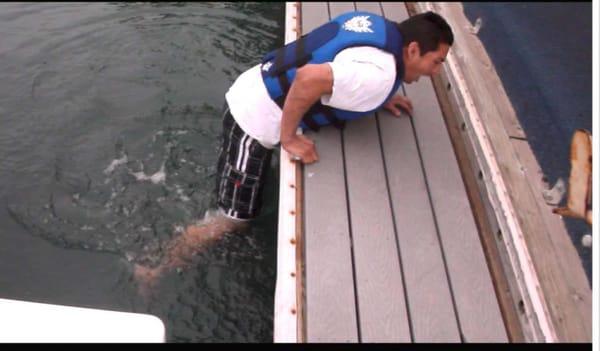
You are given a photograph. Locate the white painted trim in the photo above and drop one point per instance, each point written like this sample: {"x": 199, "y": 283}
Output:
{"x": 285, "y": 321}
{"x": 32, "y": 322}
{"x": 527, "y": 279}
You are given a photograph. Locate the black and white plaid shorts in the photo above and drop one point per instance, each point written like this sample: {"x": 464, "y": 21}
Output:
{"x": 242, "y": 170}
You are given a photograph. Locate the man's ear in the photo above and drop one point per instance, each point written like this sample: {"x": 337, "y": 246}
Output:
{"x": 414, "y": 51}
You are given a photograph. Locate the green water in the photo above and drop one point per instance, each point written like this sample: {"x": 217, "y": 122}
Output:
{"x": 110, "y": 117}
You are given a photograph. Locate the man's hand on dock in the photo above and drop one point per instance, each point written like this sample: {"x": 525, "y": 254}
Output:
{"x": 398, "y": 101}
{"x": 302, "y": 147}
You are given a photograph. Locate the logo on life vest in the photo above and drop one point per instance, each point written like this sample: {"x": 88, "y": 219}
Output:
{"x": 359, "y": 24}
{"x": 267, "y": 66}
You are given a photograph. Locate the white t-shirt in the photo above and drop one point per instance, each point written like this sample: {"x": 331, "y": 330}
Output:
{"x": 362, "y": 78}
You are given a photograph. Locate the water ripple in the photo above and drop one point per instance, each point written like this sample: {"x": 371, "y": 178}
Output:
{"x": 114, "y": 115}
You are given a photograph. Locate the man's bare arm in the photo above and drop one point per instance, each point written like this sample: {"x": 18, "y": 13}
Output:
{"x": 311, "y": 82}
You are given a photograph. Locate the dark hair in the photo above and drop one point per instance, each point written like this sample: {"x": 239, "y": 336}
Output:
{"x": 428, "y": 29}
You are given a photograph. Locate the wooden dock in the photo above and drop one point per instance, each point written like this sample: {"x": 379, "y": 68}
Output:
{"x": 392, "y": 250}
{"x": 379, "y": 240}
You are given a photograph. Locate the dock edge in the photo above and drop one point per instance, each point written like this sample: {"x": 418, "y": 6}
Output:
{"x": 547, "y": 314}
{"x": 287, "y": 320}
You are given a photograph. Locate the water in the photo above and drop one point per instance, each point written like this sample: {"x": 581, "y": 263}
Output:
{"x": 543, "y": 55}
{"x": 110, "y": 117}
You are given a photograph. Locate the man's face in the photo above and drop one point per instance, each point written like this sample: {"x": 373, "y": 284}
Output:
{"x": 429, "y": 64}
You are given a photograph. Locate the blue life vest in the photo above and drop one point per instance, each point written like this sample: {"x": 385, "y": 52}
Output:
{"x": 321, "y": 45}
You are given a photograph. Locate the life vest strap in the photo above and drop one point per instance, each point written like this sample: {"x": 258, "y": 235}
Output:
{"x": 326, "y": 111}
{"x": 284, "y": 83}
{"x": 301, "y": 58}
{"x": 330, "y": 115}
{"x": 309, "y": 120}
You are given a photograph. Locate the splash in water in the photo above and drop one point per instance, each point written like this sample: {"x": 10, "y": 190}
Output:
{"x": 138, "y": 204}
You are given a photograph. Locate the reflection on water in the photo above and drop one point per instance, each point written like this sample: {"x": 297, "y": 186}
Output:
{"x": 114, "y": 115}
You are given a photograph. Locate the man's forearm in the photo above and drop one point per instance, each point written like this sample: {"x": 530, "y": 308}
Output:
{"x": 312, "y": 81}
{"x": 300, "y": 98}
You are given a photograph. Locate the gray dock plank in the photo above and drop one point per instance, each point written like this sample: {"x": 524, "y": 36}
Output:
{"x": 313, "y": 14}
{"x": 429, "y": 298}
{"x": 369, "y": 6}
{"x": 331, "y": 257}
{"x": 337, "y": 8}
{"x": 426, "y": 283}
{"x": 330, "y": 300}
{"x": 474, "y": 295}
{"x": 379, "y": 285}
{"x": 378, "y": 280}
{"x": 477, "y": 307}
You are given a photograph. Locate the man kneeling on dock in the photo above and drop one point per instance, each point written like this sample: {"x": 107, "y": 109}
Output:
{"x": 342, "y": 70}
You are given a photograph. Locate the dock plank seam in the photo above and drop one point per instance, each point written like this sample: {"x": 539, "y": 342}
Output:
{"x": 354, "y": 286}
{"x": 434, "y": 184}
{"x": 435, "y": 223}
{"x": 387, "y": 185}
{"x": 356, "y": 301}
{"x": 325, "y": 324}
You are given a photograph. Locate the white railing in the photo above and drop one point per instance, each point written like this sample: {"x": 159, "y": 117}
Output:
{"x": 285, "y": 321}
